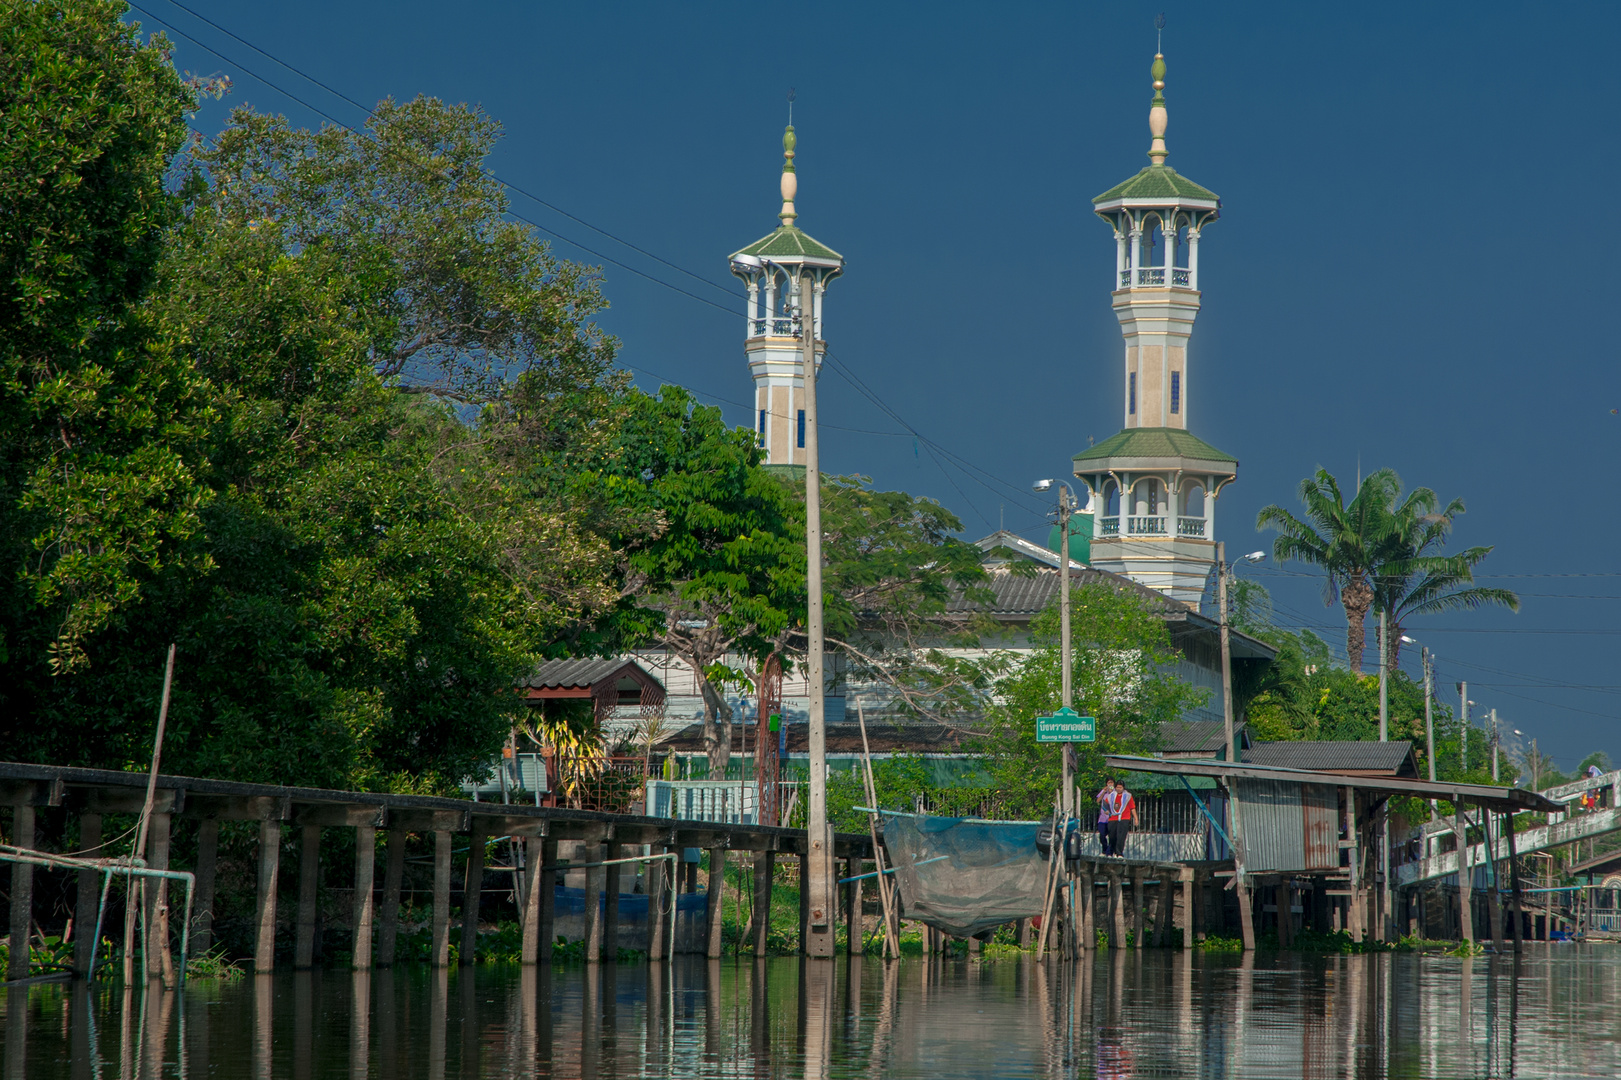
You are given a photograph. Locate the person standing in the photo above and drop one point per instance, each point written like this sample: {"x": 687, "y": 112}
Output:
{"x": 1122, "y": 816}
{"x": 1104, "y": 808}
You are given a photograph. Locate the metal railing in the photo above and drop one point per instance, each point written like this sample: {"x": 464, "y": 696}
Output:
{"x": 1181, "y": 277}
{"x": 775, "y": 327}
{"x": 727, "y": 802}
{"x": 1109, "y": 526}
{"x": 1190, "y": 527}
{"x": 1147, "y": 526}
{"x": 1151, "y": 275}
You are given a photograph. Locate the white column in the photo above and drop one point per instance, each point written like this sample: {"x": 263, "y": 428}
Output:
{"x": 820, "y": 287}
{"x": 1136, "y": 252}
{"x": 754, "y": 308}
{"x": 770, "y": 302}
{"x": 1193, "y": 283}
{"x": 1119, "y": 259}
{"x": 1173, "y": 511}
{"x": 1210, "y": 507}
{"x": 1170, "y": 248}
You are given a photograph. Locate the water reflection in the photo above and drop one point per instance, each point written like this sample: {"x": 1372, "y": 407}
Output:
{"x": 1150, "y": 1013}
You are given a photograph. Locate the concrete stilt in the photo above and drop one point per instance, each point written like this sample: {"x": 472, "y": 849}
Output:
{"x": 309, "y": 873}
{"x": 547, "y": 886}
{"x": 854, "y": 922}
{"x": 365, "y": 871}
{"x": 1117, "y": 910}
{"x": 610, "y": 903}
{"x": 472, "y": 892}
{"x": 440, "y": 955}
{"x": 1466, "y": 873}
{"x": 202, "y": 912}
{"x": 531, "y": 909}
{"x": 658, "y": 921}
{"x": 88, "y": 894}
{"x": 765, "y": 870}
{"x": 717, "y": 903}
{"x": 591, "y": 852}
{"x": 264, "y": 950}
{"x": 1246, "y": 915}
{"x": 388, "y": 919}
{"x": 22, "y": 892}
{"x": 1137, "y": 901}
{"x": 1088, "y": 893}
{"x": 1186, "y": 922}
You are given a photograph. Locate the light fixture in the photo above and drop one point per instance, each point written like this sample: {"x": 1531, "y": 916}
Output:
{"x": 744, "y": 265}
{"x": 1405, "y": 640}
{"x": 1041, "y": 485}
{"x": 1255, "y": 556}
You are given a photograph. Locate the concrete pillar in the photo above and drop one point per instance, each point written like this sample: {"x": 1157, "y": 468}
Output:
{"x": 309, "y": 874}
{"x": 591, "y": 852}
{"x": 854, "y": 922}
{"x": 610, "y": 903}
{"x": 202, "y": 912}
{"x": 1466, "y": 914}
{"x": 547, "y": 886}
{"x": 804, "y": 901}
{"x": 365, "y": 871}
{"x": 264, "y": 950}
{"x": 472, "y": 892}
{"x": 388, "y": 920}
{"x": 1089, "y": 903}
{"x": 529, "y": 919}
{"x": 1117, "y": 908}
{"x": 658, "y": 920}
{"x": 1137, "y": 900}
{"x": 22, "y": 892}
{"x": 1246, "y": 915}
{"x": 160, "y": 961}
{"x": 87, "y": 899}
{"x": 765, "y": 868}
{"x": 440, "y": 955}
{"x": 717, "y": 902}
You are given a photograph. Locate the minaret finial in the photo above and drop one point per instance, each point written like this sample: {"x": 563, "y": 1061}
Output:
{"x": 790, "y": 182}
{"x": 1156, "y": 110}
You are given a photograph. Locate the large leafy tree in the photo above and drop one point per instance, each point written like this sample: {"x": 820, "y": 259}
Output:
{"x": 97, "y": 490}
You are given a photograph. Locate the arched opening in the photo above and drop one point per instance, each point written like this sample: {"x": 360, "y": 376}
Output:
{"x": 1111, "y": 499}
{"x": 1193, "y": 500}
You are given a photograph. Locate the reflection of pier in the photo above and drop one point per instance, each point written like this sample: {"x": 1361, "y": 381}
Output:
{"x": 612, "y": 842}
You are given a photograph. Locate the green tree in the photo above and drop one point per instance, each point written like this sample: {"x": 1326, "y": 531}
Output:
{"x": 96, "y": 469}
{"x": 1122, "y": 674}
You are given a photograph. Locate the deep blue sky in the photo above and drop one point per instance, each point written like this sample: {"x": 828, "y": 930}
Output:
{"x": 1413, "y": 268}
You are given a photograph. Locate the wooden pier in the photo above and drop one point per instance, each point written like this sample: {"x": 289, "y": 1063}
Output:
{"x": 31, "y": 790}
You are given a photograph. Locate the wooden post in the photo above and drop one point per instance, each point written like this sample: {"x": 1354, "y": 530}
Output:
{"x": 388, "y": 923}
{"x": 22, "y": 892}
{"x": 159, "y": 959}
{"x": 804, "y": 901}
{"x": 365, "y": 874}
{"x": 853, "y": 921}
{"x": 1354, "y": 904}
{"x": 1514, "y": 880}
{"x": 264, "y": 950}
{"x": 1466, "y": 915}
{"x": 716, "y": 898}
{"x": 308, "y": 899}
{"x": 472, "y": 893}
{"x": 1185, "y": 876}
{"x": 439, "y": 956}
{"x": 764, "y": 872}
{"x": 610, "y": 904}
{"x": 1088, "y": 927}
{"x": 208, "y": 845}
{"x": 87, "y": 898}
{"x": 530, "y": 949}
{"x": 548, "y": 898}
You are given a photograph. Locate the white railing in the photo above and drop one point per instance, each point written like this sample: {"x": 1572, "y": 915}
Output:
{"x": 1146, "y": 526}
{"x": 1125, "y": 279}
{"x": 1109, "y": 526}
{"x": 1181, "y": 277}
{"x": 1151, "y": 275}
{"x": 729, "y": 802}
{"x": 780, "y": 326}
{"x": 1190, "y": 527}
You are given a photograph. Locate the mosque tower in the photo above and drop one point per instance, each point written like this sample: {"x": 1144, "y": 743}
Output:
{"x": 771, "y": 269}
{"x": 1154, "y": 484}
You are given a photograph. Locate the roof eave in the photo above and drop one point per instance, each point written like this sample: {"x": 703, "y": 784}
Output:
{"x": 1180, "y": 202}
{"x": 1106, "y": 463}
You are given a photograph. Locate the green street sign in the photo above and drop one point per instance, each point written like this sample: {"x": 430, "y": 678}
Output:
{"x": 1066, "y": 725}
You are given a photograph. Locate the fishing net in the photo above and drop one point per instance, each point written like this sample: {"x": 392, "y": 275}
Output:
{"x": 964, "y": 876}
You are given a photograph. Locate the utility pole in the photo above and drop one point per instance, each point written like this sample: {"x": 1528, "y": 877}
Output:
{"x": 1463, "y": 729}
{"x": 1384, "y": 692}
{"x": 1226, "y": 653}
{"x": 819, "y": 839}
{"x": 1384, "y": 736}
{"x": 1429, "y": 718}
{"x": 1067, "y": 692}
{"x": 1494, "y": 744}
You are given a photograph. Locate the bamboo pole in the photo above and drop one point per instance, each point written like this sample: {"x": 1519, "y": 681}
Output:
{"x": 892, "y": 947}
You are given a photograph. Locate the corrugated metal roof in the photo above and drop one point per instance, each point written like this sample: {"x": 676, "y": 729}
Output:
{"x": 1394, "y": 758}
{"x": 1027, "y": 594}
{"x": 846, "y": 739}
{"x": 1192, "y": 736}
{"x": 582, "y": 673}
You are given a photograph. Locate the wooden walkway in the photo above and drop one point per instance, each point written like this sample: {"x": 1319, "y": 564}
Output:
{"x": 93, "y": 793}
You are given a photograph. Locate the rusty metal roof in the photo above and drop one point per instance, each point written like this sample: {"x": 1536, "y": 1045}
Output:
{"x": 579, "y": 674}
{"x": 1394, "y": 758}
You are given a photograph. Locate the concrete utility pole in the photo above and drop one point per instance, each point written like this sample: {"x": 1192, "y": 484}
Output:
{"x": 1384, "y": 736}
{"x": 1494, "y": 745}
{"x": 1384, "y": 692}
{"x": 819, "y": 839}
{"x": 1463, "y": 728}
{"x": 1226, "y": 652}
{"x": 1429, "y": 719}
{"x": 1067, "y": 691}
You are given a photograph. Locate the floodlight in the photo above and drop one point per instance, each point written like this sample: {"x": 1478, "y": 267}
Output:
{"x": 1041, "y": 485}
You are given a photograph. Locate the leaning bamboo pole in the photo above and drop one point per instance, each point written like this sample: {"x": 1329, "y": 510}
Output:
{"x": 892, "y": 945}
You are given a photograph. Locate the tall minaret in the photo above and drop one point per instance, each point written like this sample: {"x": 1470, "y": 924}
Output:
{"x": 771, "y": 268}
{"x": 1154, "y": 484}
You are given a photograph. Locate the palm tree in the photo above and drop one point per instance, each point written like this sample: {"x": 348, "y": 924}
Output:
{"x": 1415, "y": 578}
{"x": 1348, "y": 540}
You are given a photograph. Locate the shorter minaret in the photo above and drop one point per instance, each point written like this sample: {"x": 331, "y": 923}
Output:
{"x": 1154, "y": 484}
{"x": 771, "y": 268}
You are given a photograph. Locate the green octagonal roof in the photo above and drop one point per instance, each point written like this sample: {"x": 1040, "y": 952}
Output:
{"x": 1157, "y": 182}
{"x": 790, "y": 242}
{"x": 1154, "y": 442}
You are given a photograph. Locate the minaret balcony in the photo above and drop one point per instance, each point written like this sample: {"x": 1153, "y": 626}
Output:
{"x": 774, "y": 327}
{"x": 1109, "y": 526}
{"x": 1190, "y": 527}
{"x": 1146, "y": 526}
{"x": 1154, "y": 277}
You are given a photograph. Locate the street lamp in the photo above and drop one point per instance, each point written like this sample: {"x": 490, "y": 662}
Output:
{"x": 1066, "y": 504}
{"x": 1223, "y": 572}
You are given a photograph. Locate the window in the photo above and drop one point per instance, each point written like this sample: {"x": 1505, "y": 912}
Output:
{"x": 762, "y": 427}
{"x": 1176, "y": 391}
{"x": 1111, "y": 500}
{"x": 802, "y": 429}
{"x": 1131, "y": 393}
{"x": 1193, "y": 501}
{"x": 1153, "y": 498}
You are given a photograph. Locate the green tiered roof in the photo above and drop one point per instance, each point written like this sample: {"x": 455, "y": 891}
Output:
{"x": 1154, "y": 442}
{"x": 790, "y": 242}
{"x": 1157, "y": 182}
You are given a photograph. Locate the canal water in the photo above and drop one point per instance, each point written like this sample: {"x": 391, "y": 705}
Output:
{"x": 1556, "y": 1012}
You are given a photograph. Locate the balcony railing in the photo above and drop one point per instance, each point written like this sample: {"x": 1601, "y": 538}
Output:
{"x": 1190, "y": 527}
{"x": 729, "y": 802}
{"x": 1151, "y": 275}
{"x": 1110, "y": 526}
{"x": 1155, "y": 275}
{"x": 1181, "y": 277}
{"x": 774, "y": 327}
{"x": 1147, "y": 526}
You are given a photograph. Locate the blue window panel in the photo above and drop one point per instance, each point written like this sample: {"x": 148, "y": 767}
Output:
{"x": 1131, "y": 393}
{"x": 1176, "y": 391}
{"x": 762, "y": 427}
{"x": 802, "y": 429}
